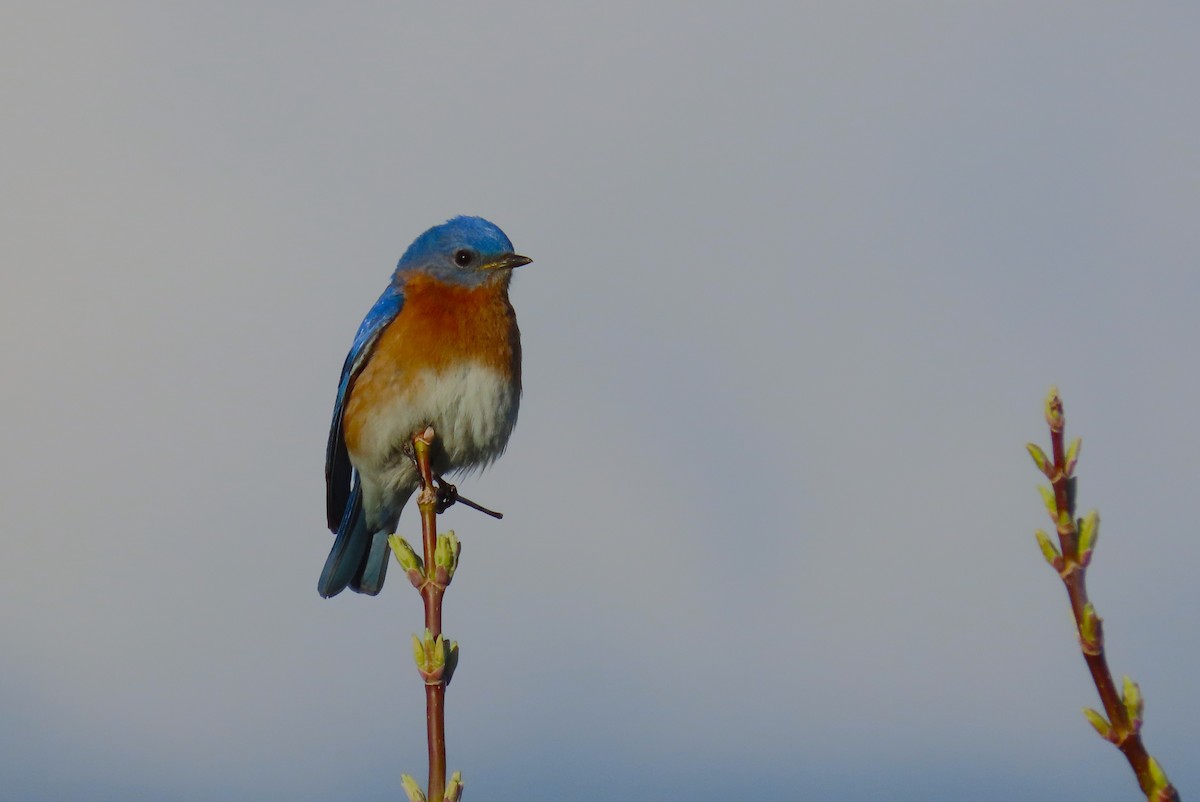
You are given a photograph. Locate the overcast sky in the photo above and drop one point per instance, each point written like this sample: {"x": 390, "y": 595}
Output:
{"x": 803, "y": 275}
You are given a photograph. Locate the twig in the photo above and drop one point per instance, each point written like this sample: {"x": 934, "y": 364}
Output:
{"x": 431, "y": 594}
{"x": 1076, "y": 541}
{"x": 435, "y": 657}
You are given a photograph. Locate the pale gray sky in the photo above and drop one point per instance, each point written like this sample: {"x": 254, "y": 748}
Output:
{"x": 803, "y": 276}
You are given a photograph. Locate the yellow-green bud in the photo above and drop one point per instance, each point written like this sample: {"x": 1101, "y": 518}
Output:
{"x": 1040, "y": 460}
{"x": 1049, "y": 551}
{"x": 1072, "y": 456}
{"x": 454, "y": 787}
{"x": 1131, "y": 696}
{"x": 1089, "y": 529}
{"x": 1099, "y": 722}
{"x": 1050, "y": 502}
{"x": 414, "y": 792}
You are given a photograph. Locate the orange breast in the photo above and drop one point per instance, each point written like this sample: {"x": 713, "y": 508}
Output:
{"x": 439, "y": 326}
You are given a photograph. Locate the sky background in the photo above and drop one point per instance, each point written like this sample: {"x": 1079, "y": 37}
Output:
{"x": 804, "y": 274}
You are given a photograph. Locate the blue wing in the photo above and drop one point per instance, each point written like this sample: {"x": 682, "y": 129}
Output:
{"x": 338, "y": 472}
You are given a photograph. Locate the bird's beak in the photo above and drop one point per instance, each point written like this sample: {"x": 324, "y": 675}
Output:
{"x": 508, "y": 262}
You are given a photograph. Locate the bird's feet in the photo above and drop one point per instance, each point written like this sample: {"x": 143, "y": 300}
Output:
{"x": 447, "y": 496}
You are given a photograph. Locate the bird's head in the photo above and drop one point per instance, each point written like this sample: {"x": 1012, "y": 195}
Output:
{"x": 465, "y": 250}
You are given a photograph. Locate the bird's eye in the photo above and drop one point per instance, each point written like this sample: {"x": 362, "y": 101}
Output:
{"x": 462, "y": 257}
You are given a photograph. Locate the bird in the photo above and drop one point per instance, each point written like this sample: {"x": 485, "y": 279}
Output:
{"x": 439, "y": 348}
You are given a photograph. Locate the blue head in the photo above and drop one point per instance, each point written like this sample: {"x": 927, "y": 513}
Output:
{"x": 464, "y": 250}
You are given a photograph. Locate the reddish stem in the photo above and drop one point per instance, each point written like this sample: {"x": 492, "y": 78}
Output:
{"x": 1073, "y": 576}
{"x": 431, "y": 594}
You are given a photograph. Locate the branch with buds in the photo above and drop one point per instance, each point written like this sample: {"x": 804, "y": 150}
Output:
{"x": 435, "y": 656}
{"x": 1121, "y": 722}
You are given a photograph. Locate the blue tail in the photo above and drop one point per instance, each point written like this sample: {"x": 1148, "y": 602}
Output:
{"x": 368, "y": 578}
{"x": 373, "y": 564}
{"x": 357, "y": 560}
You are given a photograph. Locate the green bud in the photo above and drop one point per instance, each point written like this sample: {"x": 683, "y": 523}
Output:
{"x": 415, "y": 794}
{"x": 1099, "y": 722}
{"x": 1040, "y": 460}
{"x": 405, "y": 555}
{"x": 1089, "y": 529}
{"x": 441, "y": 552}
{"x": 1049, "y": 551}
{"x": 454, "y": 787}
{"x": 1158, "y": 776}
{"x": 419, "y": 652}
{"x": 439, "y": 653}
{"x": 1072, "y": 456}
{"x": 445, "y": 557}
{"x": 430, "y": 644}
{"x": 1054, "y": 410}
{"x": 1089, "y": 630}
{"x": 1131, "y": 696}
{"x": 431, "y": 655}
{"x": 413, "y": 567}
{"x": 1049, "y": 501}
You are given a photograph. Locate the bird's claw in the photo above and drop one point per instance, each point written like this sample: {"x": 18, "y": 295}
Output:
{"x": 447, "y": 497}
{"x": 447, "y": 494}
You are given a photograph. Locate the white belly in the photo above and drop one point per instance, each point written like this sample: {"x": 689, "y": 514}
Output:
{"x": 472, "y": 408}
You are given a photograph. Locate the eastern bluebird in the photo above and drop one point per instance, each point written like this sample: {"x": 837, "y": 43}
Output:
{"x": 440, "y": 347}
